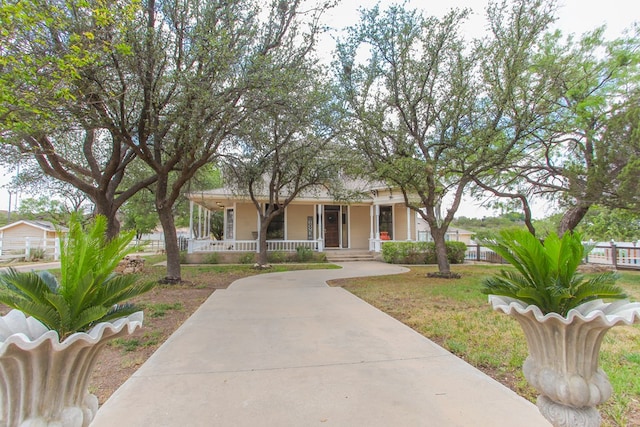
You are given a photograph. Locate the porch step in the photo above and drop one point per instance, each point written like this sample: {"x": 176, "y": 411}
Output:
{"x": 348, "y": 256}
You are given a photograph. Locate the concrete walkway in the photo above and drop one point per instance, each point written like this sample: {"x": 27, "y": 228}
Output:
{"x": 284, "y": 349}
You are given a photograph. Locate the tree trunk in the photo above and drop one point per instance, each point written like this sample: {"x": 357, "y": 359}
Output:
{"x": 572, "y": 218}
{"x": 441, "y": 250}
{"x": 170, "y": 243}
{"x": 261, "y": 257}
{"x": 103, "y": 206}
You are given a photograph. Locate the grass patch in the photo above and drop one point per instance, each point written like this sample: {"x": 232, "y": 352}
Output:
{"x": 159, "y": 309}
{"x": 454, "y": 314}
{"x": 148, "y": 339}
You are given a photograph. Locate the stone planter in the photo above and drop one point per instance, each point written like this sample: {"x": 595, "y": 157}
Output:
{"x": 563, "y": 356}
{"x": 43, "y": 382}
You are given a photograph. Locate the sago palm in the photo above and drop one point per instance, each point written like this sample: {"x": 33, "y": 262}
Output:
{"x": 88, "y": 292}
{"x": 546, "y": 272}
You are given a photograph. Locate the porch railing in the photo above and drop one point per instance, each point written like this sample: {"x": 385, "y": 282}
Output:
{"x": 207, "y": 245}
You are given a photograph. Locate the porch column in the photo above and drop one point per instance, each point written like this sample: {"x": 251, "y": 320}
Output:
{"x": 286, "y": 228}
{"x": 320, "y": 229}
{"x": 409, "y": 224}
{"x": 190, "y": 219}
{"x": 371, "y": 223}
{"x": 376, "y": 222}
{"x": 349, "y": 226}
{"x": 199, "y": 221}
{"x": 315, "y": 222}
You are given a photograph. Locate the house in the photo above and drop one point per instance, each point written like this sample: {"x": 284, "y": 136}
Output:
{"x": 317, "y": 220}
{"x": 453, "y": 234}
{"x": 22, "y": 236}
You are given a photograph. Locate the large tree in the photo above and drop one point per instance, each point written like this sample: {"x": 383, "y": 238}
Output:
{"x": 52, "y": 55}
{"x": 587, "y": 153}
{"x": 432, "y": 111}
{"x": 287, "y": 148}
{"x": 197, "y": 65}
{"x": 167, "y": 83}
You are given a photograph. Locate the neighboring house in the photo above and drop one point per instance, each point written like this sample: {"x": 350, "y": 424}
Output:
{"x": 453, "y": 234}
{"x": 375, "y": 213}
{"x": 21, "y": 236}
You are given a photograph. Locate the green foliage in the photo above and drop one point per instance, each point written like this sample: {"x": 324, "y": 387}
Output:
{"x": 490, "y": 225}
{"x": 602, "y": 224}
{"x": 160, "y": 309}
{"x": 247, "y": 258}
{"x": 431, "y": 111}
{"x": 276, "y": 257}
{"x": 44, "y": 208}
{"x": 36, "y": 254}
{"x": 546, "y": 273}
{"x": 421, "y": 252}
{"x": 303, "y": 254}
{"x": 212, "y": 258}
{"x": 88, "y": 292}
{"x": 456, "y": 252}
{"x": 139, "y": 214}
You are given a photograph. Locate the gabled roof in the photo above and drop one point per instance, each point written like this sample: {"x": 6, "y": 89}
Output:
{"x": 42, "y": 225}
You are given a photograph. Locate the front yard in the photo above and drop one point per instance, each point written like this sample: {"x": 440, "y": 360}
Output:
{"x": 454, "y": 314}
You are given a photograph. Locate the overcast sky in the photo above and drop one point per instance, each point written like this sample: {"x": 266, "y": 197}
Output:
{"x": 574, "y": 16}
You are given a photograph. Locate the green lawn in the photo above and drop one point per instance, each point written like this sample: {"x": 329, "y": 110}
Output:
{"x": 457, "y": 316}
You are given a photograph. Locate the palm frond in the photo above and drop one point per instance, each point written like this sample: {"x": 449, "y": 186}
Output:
{"x": 29, "y": 285}
{"x": 123, "y": 288}
{"x": 118, "y": 311}
{"x": 546, "y": 272}
{"x": 88, "y": 317}
{"x": 88, "y": 291}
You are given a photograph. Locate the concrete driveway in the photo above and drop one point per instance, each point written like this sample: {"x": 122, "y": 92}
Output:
{"x": 285, "y": 349}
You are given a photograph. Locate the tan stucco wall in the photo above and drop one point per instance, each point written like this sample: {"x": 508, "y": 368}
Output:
{"x": 400, "y": 223}
{"x": 246, "y": 220}
{"x": 296, "y": 217}
{"x": 360, "y": 227}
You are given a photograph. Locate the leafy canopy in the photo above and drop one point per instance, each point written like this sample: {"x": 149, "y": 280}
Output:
{"x": 546, "y": 272}
{"x": 88, "y": 292}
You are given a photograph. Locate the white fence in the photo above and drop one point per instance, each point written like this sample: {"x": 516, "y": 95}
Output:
{"x": 619, "y": 255}
{"x": 624, "y": 255}
{"x": 30, "y": 248}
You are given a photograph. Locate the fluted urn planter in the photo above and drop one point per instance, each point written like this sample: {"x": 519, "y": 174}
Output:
{"x": 563, "y": 356}
{"x": 44, "y": 382}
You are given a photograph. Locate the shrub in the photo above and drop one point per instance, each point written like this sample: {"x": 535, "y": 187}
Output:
{"x": 247, "y": 258}
{"x": 212, "y": 258}
{"x": 36, "y": 254}
{"x": 391, "y": 252}
{"x": 303, "y": 253}
{"x": 421, "y": 252}
{"x": 456, "y": 252}
{"x": 276, "y": 257}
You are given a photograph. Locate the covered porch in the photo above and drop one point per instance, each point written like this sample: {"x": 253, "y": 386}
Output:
{"x": 316, "y": 223}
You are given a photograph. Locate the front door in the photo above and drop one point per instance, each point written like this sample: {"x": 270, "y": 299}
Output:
{"x": 332, "y": 226}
